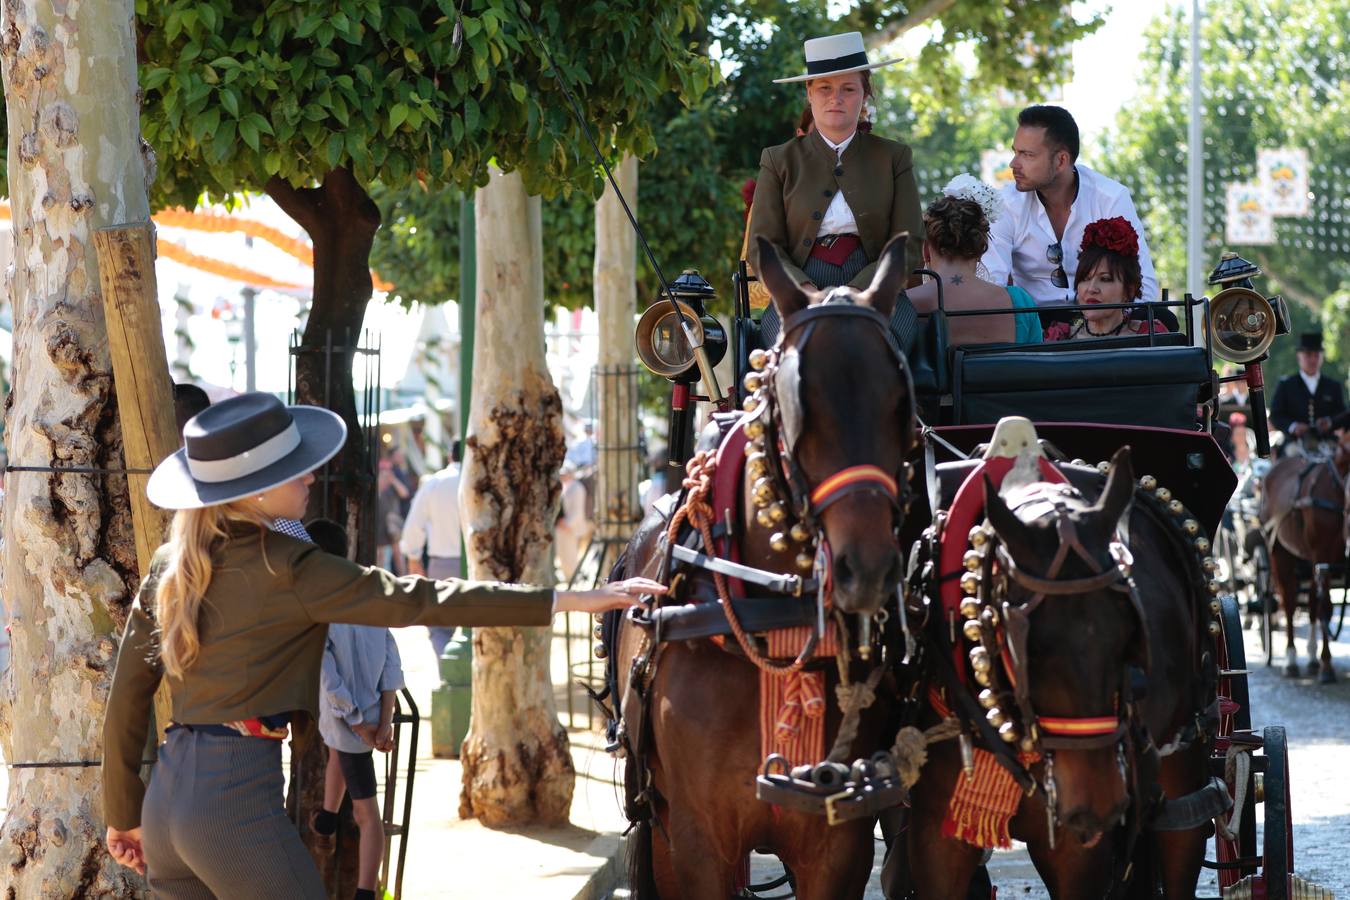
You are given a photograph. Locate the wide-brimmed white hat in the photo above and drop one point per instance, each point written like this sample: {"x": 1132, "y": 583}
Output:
{"x": 837, "y": 54}
{"x": 241, "y": 446}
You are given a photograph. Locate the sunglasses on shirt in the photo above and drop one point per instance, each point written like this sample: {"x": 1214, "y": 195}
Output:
{"x": 1055, "y": 254}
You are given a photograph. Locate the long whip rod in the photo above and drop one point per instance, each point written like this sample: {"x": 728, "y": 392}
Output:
{"x": 695, "y": 343}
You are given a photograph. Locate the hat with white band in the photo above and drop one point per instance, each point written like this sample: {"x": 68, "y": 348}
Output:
{"x": 837, "y": 54}
{"x": 244, "y": 445}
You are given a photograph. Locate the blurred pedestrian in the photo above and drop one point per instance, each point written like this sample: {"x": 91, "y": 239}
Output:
{"x": 433, "y": 528}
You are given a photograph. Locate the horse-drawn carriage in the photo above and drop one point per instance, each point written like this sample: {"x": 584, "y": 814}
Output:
{"x": 893, "y": 594}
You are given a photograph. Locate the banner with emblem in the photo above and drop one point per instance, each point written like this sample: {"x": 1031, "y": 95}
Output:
{"x": 1283, "y": 175}
{"x": 1248, "y": 220}
{"x": 995, "y": 169}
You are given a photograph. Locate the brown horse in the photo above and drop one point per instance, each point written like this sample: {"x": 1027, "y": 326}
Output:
{"x": 1069, "y": 627}
{"x": 1304, "y": 503}
{"x": 843, "y": 402}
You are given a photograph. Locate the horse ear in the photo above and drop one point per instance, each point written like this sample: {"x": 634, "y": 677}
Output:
{"x": 784, "y": 290}
{"x": 1007, "y": 526}
{"x": 1118, "y": 494}
{"x": 890, "y": 277}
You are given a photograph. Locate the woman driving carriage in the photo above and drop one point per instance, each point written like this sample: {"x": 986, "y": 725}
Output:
{"x": 1108, "y": 272}
{"x": 829, "y": 200}
{"x": 957, "y": 224}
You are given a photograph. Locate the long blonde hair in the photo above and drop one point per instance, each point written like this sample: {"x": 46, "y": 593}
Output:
{"x": 195, "y": 534}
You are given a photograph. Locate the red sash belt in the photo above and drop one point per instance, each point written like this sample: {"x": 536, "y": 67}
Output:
{"x": 835, "y": 248}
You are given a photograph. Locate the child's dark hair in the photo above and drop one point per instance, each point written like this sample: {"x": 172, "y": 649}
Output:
{"x": 328, "y": 536}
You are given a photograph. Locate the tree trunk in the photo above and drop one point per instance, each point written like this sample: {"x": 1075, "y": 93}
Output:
{"x": 517, "y": 768}
{"x": 341, "y": 221}
{"x": 75, "y": 164}
{"x": 615, "y": 278}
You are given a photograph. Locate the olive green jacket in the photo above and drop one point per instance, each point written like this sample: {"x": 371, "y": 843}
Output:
{"x": 798, "y": 179}
{"x": 263, "y": 625}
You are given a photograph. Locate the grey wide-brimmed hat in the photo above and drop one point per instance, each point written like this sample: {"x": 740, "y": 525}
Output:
{"x": 241, "y": 446}
{"x": 836, "y": 54}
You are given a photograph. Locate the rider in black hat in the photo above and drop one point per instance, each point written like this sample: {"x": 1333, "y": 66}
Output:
{"x": 1308, "y": 401}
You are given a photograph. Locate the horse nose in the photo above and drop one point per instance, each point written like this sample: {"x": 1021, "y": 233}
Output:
{"x": 863, "y": 581}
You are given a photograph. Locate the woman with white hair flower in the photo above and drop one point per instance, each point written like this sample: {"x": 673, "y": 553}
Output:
{"x": 957, "y": 234}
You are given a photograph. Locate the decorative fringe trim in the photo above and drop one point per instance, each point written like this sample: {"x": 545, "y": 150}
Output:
{"x": 982, "y": 806}
{"x": 792, "y": 707}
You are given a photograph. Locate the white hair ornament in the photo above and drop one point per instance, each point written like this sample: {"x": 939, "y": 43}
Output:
{"x": 968, "y": 187}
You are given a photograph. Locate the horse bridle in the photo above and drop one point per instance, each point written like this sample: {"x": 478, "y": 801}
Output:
{"x": 781, "y": 413}
{"x": 1046, "y": 734}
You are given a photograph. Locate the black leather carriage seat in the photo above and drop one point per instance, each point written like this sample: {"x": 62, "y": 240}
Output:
{"x": 1118, "y": 381}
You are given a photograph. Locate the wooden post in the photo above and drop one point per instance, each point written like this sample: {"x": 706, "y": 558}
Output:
{"x": 126, "y": 271}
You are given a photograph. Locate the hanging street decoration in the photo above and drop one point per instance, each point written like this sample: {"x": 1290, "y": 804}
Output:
{"x": 1248, "y": 220}
{"x": 1283, "y": 176}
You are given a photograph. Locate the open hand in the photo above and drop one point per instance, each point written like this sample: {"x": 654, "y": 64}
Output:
{"x": 125, "y": 847}
{"x": 615, "y": 595}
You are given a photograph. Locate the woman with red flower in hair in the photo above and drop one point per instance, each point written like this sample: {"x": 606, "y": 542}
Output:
{"x": 1108, "y": 273}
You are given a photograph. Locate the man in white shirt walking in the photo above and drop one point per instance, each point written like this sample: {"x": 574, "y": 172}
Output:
{"x": 433, "y": 525}
{"x": 1035, "y": 244}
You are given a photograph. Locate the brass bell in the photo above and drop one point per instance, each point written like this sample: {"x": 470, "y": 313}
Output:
{"x": 1209, "y": 565}
{"x": 753, "y": 381}
{"x": 598, "y": 631}
{"x": 757, "y": 466}
{"x": 763, "y": 519}
{"x": 971, "y": 630}
{"x": 979, "y": 660}
{"x": 1213, "y": 587}
{"x": 1103, "y": 467}
{"x": 1215, "y": 607}
{"x": 978, "y": 537}
{"x": 1215, "y": 629}
{"x": 806, "y": 561}
{"x": 1008, "y": 731}
{"x": 970, "y": 607}
{"x": 1175, "y": 507}
{"x": 762, "y": 492}
{"x": 1202, "y": 545}
{"x": 799, "y": 533}
{"x": 751, "y": 403}
{"x": 1191, "y": 527}
{"x": 1027, "y": 745}
{"x": 988, "y": 699}
{"x": 1078, "y": 462}
{"x": 970, "y": 583}
{"x": 982, "y": 678}
{"x": 1148, "y": 482}
{"x": 776, "y": 512}
{"x": 758, "y": 359}
{"x": 1163, "y": 495}
{"x": 996, "y": 717}
{"x": 989, "y": 616}
{"x": 973, "y": 560}
{"x": 754, "y": 429}
{"x": 600, "y": 650}
{"x": 778, "y": 541}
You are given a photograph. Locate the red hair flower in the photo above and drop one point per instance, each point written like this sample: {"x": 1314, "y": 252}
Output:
{"x": 1116, "y": 235}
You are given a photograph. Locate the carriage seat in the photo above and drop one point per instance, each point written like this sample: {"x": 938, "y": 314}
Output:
{"x": 1112, "y": 382}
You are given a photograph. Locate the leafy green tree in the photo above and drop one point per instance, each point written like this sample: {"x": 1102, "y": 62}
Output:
{"x": 1263, "y": 87}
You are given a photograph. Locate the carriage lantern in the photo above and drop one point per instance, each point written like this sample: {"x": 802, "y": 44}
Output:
{"x": 1242, "y": 325}
{"x": 664, "y": 349}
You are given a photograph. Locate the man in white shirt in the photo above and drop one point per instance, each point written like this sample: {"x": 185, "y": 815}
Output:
{"x": 433, "y": 524}
{"x": 1035, "y": 244}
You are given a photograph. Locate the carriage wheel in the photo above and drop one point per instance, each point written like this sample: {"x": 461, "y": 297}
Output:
{"x": 1278, "y": 839}
{"x": 1226, "y": 555}
{"x": 1234, "y": 659}
{"x": 1264, "y": 591}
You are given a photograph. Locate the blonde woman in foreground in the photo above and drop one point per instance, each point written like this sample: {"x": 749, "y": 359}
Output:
{"x": 235, "y": 616}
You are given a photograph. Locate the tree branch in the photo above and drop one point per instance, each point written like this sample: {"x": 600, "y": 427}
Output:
{"x": 893, "y": 30}
{"x": 1288, "y": 288}
{"x": 301, "y": 204}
